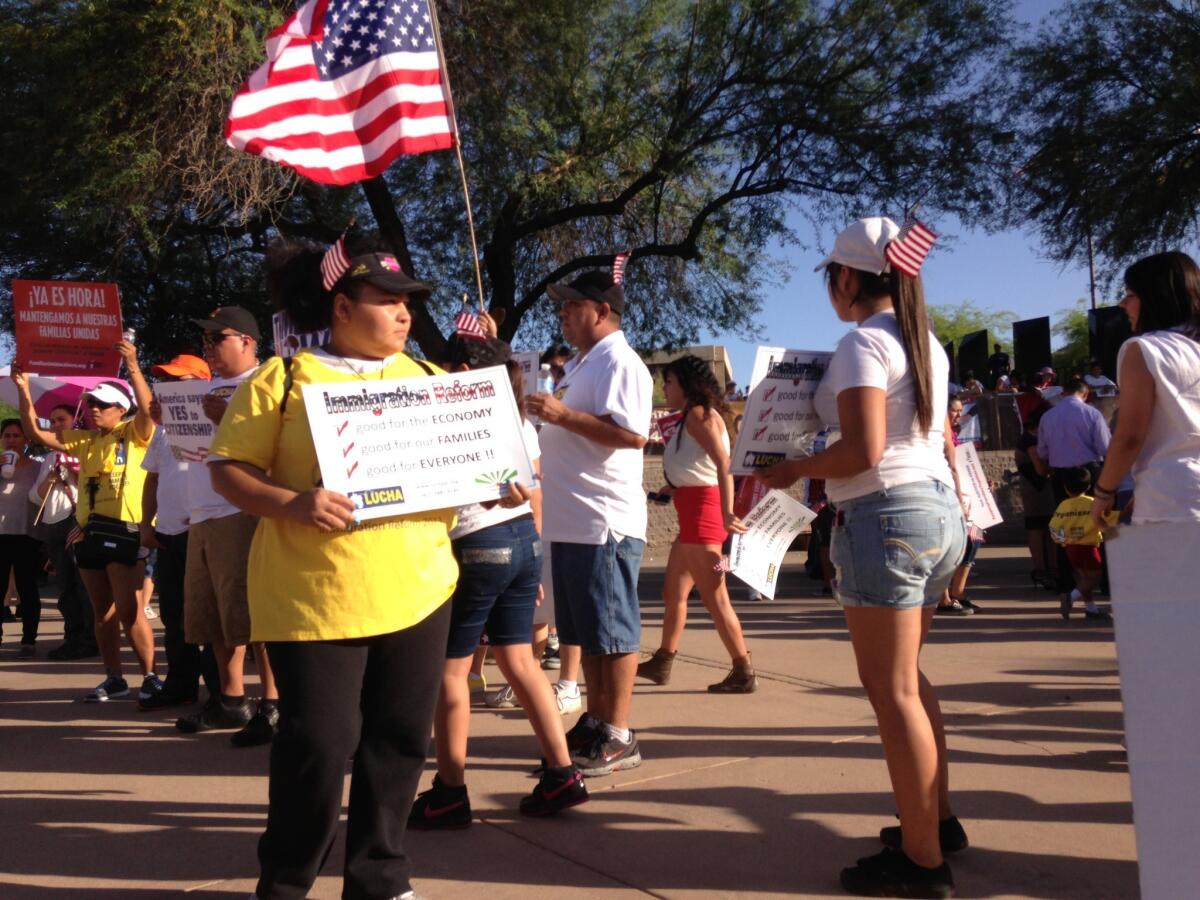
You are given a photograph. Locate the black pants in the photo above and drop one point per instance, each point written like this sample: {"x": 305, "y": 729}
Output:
{"x": 79, "y": 627}
{"x": 22, "y": 555}
{"x": 372, "y": 698}
{"x": 186, "y": 663}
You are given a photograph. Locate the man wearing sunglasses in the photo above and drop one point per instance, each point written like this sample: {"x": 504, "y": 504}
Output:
{"x": 216, "y": 609}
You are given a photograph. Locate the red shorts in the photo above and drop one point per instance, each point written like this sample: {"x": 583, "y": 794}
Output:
{"x": 1084, "y": 557}
{"x": 700, "y": 519}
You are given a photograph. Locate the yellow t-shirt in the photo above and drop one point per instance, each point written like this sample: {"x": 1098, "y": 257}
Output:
{"x": 304, "y": 585}
{"x": 1072, "y": 522}
{"x": 115, "y": 461}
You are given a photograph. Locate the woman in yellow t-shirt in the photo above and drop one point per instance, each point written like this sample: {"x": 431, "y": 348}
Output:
{"x": 110, "y": 485}
{"x": 356, "y": 617}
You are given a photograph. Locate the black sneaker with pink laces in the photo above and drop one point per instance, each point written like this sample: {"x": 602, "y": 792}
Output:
{"x": 558, "y": 789}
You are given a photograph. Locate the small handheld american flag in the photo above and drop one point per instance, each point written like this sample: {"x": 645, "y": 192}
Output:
{"x": 908, "y": 250}
{"x": 618, "y": 267}
{"x": 466, "y": 325}
{"x": 334, "y": 263}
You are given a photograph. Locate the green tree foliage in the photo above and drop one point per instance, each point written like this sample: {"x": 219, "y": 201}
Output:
{"x": 952, "y": 322}
{"x": 683, "y": 132}
{"x": 1106, "y": 96}
{"x": 1074, "y": 350}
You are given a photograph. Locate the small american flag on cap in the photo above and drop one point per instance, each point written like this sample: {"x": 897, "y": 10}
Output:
{"x": 334, "y": 263}
{"x": 466, "y": 325}
{"x": 618, "y": 267}
{"x": 907, "y": 251}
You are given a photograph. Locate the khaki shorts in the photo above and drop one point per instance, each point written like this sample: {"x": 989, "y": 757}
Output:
{"x": 215, "y": 607}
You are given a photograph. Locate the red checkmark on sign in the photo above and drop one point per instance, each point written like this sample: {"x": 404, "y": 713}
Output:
{"x": 766, "y": 414}
{"x": 342, "y": 427}
{"x": 350, "y": 471}
{"x": 769, "y": 393}
{"x": 346, "y": 452}
{"x": 760, "y": 432}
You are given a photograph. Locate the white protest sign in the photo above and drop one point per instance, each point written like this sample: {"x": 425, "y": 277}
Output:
{"x": 413, "y": 444}
{"x": 972, "y": 481}
{"x": 764, "y": 358}
{"x": 757, "y": 556}
{"x": 289, "y": 341}
{"x": 189, "y": 431}
{"x": 780, "y": 421}
{"x": 528, "y": 361}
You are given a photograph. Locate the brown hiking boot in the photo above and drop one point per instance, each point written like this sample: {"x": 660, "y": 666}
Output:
{"x": 740, "y": 680}
{"x": 658, "y": 667}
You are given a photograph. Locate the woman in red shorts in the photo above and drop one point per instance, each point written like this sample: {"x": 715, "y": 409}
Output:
{"x": 696, "y": 466}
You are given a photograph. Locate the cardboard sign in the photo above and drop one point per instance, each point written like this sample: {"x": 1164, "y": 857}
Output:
{"x": 67, "y": 327}
{"x": 189, "y": 431}
{"x": 289, "y": 341}
{"x": 780, "y": 421}
{"x": 756, "y": 557}
{"x": 413, "y": 444}
{"x": 1152, "y": 571}
{"x": 981, "y": 505}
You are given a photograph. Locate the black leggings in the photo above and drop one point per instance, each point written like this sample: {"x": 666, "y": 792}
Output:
{"x": 22, "y": 555}
{"x": 370, "y": 698}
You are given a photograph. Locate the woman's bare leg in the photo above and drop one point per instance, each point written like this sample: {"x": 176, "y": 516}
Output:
{"x": 700, "y": 560}
{"x": 452, "y": 722}
{"x": 524, "y": 675}
{"x": 677, "y": 585}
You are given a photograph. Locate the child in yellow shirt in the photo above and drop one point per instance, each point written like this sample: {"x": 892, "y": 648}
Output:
{"x": 1072, "y": 526}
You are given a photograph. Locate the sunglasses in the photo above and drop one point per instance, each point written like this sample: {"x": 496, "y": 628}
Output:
{"x": 213, "y": 339}
{"x": 98, "y": 404}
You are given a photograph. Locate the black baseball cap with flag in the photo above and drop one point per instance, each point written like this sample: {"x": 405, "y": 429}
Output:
{"x": 383, "y": 270}
{"x": 239, "y": 319}
{"x": 596, "y": 285}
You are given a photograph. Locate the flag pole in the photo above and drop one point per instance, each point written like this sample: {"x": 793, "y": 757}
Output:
{"x": 462, "y": 168}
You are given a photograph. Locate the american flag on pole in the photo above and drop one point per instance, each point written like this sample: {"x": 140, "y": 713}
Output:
{"x": 907, "y": 251}
{"x": 348, "y": 86}
{"x": 466, "y": 325}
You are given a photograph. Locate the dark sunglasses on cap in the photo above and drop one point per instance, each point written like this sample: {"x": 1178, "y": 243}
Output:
{"x": 93, "y": 403}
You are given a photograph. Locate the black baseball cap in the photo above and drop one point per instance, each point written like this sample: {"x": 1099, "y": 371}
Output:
{"x": 596, "y": 285}
{"x": 383, "y": 270}
{"x": 235, "y": 317}
{"x": 476, "y": 354}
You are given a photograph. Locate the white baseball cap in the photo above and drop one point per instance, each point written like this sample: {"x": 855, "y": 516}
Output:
{"x": 109, "y": 393}
{"x": 861, "y": 246}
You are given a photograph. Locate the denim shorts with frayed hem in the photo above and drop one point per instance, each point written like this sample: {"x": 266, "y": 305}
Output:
{"x": 595, "y": 594}
{"x": 898, "y": 548}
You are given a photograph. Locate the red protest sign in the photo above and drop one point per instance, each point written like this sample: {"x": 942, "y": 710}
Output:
{"x": 67, "y": 327}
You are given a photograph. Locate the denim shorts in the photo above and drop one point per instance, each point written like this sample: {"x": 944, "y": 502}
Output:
{"x": 500, "y": 569}
{"x": 595, "y": 595}
{"x": 899, "y": 547}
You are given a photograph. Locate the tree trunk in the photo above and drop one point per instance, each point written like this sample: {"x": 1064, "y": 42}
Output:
{"x": 424, "y": 330}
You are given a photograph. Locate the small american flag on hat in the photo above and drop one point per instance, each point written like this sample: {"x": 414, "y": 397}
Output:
{"x": 466, "y": 325}
{"x": 334, "y": 263}
{"x": 618, "y": 267}
{"x": 907, "y": 251}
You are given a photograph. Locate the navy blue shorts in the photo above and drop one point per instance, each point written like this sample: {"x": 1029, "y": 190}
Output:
{"x": 500, "y": 570}
{"x": 595, "y": 595}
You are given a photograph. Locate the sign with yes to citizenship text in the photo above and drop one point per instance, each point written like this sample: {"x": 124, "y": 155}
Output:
{"x": 780, "y": 421}
{"x": 409, "y": 445}
{"x": 189, "y": 431}
{"x": 67, "y": 327}
{"x": 756, "y": 557}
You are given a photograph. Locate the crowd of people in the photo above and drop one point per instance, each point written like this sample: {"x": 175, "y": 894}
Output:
{"x": 256, "y": 559}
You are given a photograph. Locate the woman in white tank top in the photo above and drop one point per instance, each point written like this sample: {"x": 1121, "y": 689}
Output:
{"x": 696, "y": 465}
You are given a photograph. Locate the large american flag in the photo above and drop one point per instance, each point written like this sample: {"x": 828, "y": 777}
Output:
{"x": 348, "y": 86}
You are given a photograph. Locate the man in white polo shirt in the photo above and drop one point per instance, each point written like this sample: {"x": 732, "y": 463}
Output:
{"x": 594, "y": 427}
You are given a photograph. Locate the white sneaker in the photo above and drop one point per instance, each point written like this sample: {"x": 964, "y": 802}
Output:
{"x": 567, "y": 703}
{"x": 504, "y": 698}
{"x": 150, "y": 613}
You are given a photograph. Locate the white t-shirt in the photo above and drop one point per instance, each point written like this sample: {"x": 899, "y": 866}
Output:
{"x": 588, "y": 489}
{"x": 476, "y": 518}
{"x": 873, "y": 356}
{"x": 1166, "y": 475}
{"x": 173, "y": 481}
{"x": 203, "y": 502}
{"x": 1101, "y": 385}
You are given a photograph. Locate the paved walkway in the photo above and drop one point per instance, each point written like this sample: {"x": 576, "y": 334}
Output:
{"x": 764, "y": 795}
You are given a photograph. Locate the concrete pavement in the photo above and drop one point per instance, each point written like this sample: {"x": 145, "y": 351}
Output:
{"x": 763, "y": 795}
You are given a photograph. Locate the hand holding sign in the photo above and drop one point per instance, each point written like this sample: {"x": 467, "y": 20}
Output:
{"x": 324, "y": 510}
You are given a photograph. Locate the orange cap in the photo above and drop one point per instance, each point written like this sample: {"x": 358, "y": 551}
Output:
{"x": 182, "y": 366}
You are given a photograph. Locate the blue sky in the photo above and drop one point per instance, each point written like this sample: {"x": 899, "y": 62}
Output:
{"x": 1003, "y": 271}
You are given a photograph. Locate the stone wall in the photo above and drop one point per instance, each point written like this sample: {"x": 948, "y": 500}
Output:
{"x": 998, "y": 465}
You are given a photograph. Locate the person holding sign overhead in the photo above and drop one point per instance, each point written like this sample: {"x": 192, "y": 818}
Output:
{"x": 898, "y": 533}
{"x": 355, "y": 616}
{"x": 110, "y": 557}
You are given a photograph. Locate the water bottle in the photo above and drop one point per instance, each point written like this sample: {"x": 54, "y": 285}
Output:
{"x": 545, "y": 385}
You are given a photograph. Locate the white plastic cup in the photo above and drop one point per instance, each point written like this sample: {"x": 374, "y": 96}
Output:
{"x": 8, "y": 463}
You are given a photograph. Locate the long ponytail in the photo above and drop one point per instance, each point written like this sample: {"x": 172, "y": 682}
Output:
{"x": 908, "y": 301}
